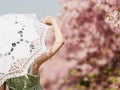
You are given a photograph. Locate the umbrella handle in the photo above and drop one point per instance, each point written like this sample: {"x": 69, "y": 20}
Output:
{"x": 59, "y": 41}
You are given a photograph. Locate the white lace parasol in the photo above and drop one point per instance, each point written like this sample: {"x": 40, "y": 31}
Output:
{"x": 21, "y": 41}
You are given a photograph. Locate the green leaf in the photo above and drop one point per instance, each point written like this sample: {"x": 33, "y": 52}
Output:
{"x": 85, "y": 83}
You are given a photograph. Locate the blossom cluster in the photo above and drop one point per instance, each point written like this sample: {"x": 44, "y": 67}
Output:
{"x": 90, "y": 58}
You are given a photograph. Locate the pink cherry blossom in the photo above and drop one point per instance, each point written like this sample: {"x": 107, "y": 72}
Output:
{"x": 89, "y": 60}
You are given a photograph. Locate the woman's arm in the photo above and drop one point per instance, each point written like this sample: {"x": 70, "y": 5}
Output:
{"x": 59, "y": 41}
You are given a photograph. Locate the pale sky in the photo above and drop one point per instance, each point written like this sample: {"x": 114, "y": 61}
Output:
{"x": 41, "y": 7}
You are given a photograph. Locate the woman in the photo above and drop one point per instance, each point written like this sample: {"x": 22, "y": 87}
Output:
{"x": 31, "y": 81}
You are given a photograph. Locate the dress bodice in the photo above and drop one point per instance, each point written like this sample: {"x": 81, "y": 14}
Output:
{"x": 27, "y": 82}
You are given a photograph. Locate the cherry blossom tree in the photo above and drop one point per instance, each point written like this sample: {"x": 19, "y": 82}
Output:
{"x": 90, "y": 58}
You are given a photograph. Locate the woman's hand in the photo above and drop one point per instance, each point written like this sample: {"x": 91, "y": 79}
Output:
{"x": 49, "y": 20}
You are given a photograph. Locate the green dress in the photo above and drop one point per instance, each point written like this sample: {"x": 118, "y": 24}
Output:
{"x": 28, "y": 82}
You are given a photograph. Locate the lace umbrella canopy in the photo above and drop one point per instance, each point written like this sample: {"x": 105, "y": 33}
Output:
{"x": 21, "y": 41}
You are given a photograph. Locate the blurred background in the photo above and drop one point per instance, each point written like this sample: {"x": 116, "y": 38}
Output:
{"x": 90, "y": 57}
